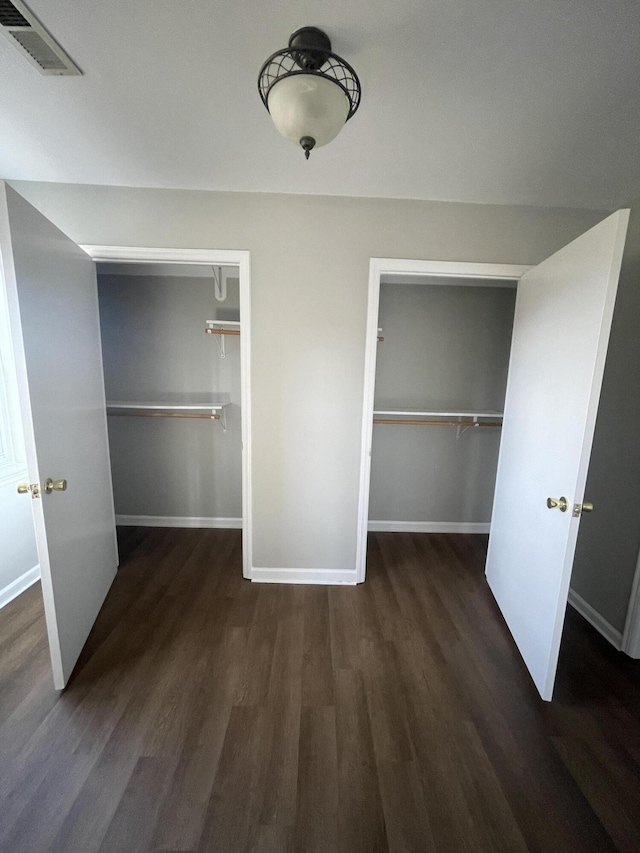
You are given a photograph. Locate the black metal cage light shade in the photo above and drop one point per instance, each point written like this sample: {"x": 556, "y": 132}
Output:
{"x": 309, "y": 91}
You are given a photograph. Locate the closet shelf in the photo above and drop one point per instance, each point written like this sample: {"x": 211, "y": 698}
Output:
{"x": 222, "y": 327}
{"x": 423, "y": 417}
{"x": 213, "y": 409}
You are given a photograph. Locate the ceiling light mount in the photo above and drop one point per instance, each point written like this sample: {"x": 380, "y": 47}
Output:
{"x": 309, "y": 91}
{"x": 314, "y": 48}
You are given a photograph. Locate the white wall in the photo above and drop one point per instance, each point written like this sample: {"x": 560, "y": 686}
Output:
{"x": 18, "y": 555}
{"x": 310, "y": 261}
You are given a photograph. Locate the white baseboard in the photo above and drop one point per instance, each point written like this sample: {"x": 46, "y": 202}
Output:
{"x": 328, "y": 577}
{"x": 429, "y": 526}
{"x": 18, "y": 586}
{"x": 176, "y": 521}
{"x": 594, "y": 618}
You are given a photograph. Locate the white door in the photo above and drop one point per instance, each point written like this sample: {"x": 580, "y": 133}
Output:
{"x": 53, "y": 309}
{"x": 561, "y": 331}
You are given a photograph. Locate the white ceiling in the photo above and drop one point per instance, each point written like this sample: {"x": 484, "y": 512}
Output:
{"x": 506, "y": 101}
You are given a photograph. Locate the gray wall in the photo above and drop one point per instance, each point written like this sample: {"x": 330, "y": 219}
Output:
{"x": 309, "y": 274}
{"x": 609, "y": 537}
{"x": 445, "y": 348}
{"x": 154, "y": 346}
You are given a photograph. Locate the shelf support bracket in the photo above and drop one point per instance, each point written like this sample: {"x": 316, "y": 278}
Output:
{"x": 220, "y": 341}
{"x": 462, "y": 429}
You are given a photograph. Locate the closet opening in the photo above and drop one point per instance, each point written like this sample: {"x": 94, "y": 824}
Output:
{"x": 441, "y": 375}
{"x": 438, "y": 348}
{"x": 175, "y": 372}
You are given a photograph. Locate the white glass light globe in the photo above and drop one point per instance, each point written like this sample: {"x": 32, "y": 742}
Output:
{"x": 308, "y": 105}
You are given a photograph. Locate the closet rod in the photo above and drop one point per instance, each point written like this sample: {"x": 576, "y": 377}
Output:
{"x": 222, "y": 331}
{"x": 438, "y": 423}
{"x": 163, "y": 415}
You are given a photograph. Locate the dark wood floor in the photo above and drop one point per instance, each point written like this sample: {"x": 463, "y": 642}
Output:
{"x": 210, "y": 714}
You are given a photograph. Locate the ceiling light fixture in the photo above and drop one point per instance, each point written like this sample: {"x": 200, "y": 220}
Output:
{"x": 309, "y": 91}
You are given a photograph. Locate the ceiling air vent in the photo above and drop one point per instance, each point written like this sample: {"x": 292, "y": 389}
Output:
{"x": 26, "y": 33}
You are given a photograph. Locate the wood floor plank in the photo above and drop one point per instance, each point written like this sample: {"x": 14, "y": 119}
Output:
{"x": 435, "y": 729}
{"x": 283, "y": 707}
{"x": 132, "y": 826}
{"x": 485, "y": 796}
{"x": 183, "y": 810}
{"x": 390, "y": 615}
{"x": 386, "y": 708}
{"x": 32, "y": 669}
{"x": 254, "y": 685}
{"x": 317, "y": 667}
{"x": 361, "y": 825}
{"x": 270, "y": 839}
{"x": 317, "y": 806}
{"x": 236, "y": 799}
{"x": 406, "y": 816}
{"x": 345, "y": 653}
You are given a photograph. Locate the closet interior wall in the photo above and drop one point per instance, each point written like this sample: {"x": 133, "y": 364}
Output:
{"x": 445, "y": 348}
{"x": 171, "y": 470}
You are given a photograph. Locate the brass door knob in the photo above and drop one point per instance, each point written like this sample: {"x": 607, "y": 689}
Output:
{"x": 559, "y": 503}
{"x": 25, "y": 488}
{"x": 587, "y": 506}
{"x": 50, "y": 485}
